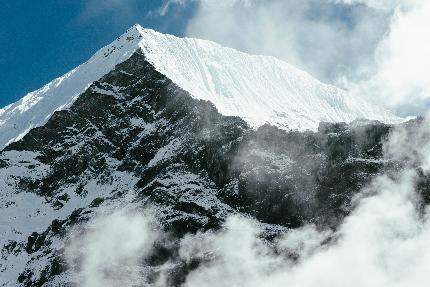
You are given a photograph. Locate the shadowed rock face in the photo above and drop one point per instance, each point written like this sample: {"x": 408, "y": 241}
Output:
{"x": 134, "y": 138}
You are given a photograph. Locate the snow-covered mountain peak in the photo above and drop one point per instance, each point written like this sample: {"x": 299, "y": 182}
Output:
{"x": 260, "y": 89}
{"x": 36, "y": 107}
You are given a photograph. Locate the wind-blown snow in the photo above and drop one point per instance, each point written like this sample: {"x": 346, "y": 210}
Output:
{"x": 260, "y": 89}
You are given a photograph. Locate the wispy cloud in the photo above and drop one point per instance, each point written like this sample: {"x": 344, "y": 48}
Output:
{"x": 119, "y": 8}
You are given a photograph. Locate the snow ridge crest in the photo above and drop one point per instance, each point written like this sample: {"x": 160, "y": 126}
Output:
{"x": 260, "y": 89}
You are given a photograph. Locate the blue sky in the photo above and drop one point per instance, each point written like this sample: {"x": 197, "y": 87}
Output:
{"x": 41, "y": 40}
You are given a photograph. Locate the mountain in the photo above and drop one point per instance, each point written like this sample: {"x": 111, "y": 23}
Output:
{"x": 138, "y": 138}
{"x": 259, "y": 89}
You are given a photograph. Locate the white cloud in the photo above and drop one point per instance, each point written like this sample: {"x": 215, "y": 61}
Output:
{"x": 108, "y": 252}
{"x": 403, "y": 61}
{"x": 382, "y": 243}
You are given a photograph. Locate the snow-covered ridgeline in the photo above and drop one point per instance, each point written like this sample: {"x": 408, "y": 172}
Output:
{"x": 260, "y": 89}
{"x": 36, "y": 107}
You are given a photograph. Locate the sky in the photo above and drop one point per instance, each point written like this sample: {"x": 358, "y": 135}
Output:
{"x": 376, "y": 48}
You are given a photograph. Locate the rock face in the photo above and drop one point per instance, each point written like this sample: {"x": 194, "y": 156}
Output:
{"x": 135, "y": 139}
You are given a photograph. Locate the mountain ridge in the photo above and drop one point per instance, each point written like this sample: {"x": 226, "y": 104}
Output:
{"x": 279, "y": 94}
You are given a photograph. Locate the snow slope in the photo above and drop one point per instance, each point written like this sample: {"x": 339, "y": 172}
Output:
{"x": 260, "y": 89}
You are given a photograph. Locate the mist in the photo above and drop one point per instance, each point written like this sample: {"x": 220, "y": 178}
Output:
{"x": 108, "y": 251}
